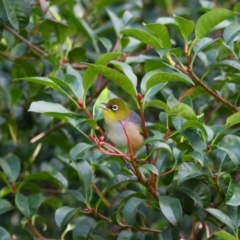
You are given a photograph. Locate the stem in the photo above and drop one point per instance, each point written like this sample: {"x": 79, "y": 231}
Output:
{"x": 192, "y": 75}
{"x": 29, "y": 44}
{"x": 35, "y": 231}
{"x": 100, "y": 194}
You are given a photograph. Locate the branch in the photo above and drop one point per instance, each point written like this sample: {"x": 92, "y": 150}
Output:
{"x": 100, "y": 194}
{"x": 192, "y": 75}
{"x": 35, "y": 231}
{"x": 29, "y": 44}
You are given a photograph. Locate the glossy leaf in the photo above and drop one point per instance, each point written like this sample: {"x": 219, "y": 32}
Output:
{"x": 28, "y": 205}
{"x": 167, "y": 77}
{"x": 157, "y": 103}
{"x": 127, "y": 70}
{"x": 233, "y": 119}
{"x": 188, "y": 170}
{"x": 234, "y": 200}
{"x": 184, "y": 111}
{"x": 210, "y": 19}
{"x": 118, "y": 78}
{"x": 49, "y": 107}
{"x": 160, "y": 31}
{"x": 79, "y": 149}
{"x": 11, "y": 167}
{"x": 231, "y": 32}
{"x": 171, "y": 208}
{"x": 18, "y": 13}
{"x": 4, "y": 234}
{"x": 130, "y": 209}
{"x": 150, "y": 167}
{"x": 221, "y": 216}
{"x": 196, "y": 190}
{"x": 142, "y": 36}
{"x": 186, "y": 27}
{"x": 117, "y": 23}
{"x": 63, "y": 215}
{"x": 225, "y": 235}
{"x": 5, "y": 206}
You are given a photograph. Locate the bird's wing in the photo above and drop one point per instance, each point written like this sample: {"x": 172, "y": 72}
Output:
{"x": 137, "y": 120}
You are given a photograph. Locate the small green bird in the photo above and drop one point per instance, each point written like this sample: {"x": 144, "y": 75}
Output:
{"x": 116, "y": 111}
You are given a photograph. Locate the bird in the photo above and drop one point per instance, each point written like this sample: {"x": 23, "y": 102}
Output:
{"x": 117, "y": 117}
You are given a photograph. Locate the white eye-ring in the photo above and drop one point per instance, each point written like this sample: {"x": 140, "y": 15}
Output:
{"x": 114, "y": 107}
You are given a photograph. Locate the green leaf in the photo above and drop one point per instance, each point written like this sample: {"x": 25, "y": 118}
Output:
{"x": 142, "y": 36}
{"x": 184, "y": 111}
{"x": 11, "y": 166}
{"x": 49, "y": 107}
{"x": 127, "y": 70}
{"x": 188, "y": 170}
{"x": 84, "y": 171}
{"x": 196, "y": 156}
{"x": 117, "y": 22}
{"x": 225, "y": 235}
{"x": 234, "y": 214}
{"x": 157, "y": 103}
{"x": 28, "y": 205}
{"x": 221, "y": 216}
{"x": 167, "y": 77}
{"x": 231, "y": 32}
{"x": 233, "y": 119}
{"x": 185, "y": 26}
{"x": 160, "y": 31}
{"x": 48, "y": 83}
{"x": 63, "y": 215}
{"x": 196, "y": 190}
{"x": 171, "y": 209}
{"x": 18, "y": 12}
{"x": 235, "y": 198}
{"x": 130, "y": 209}
{"x": 210, "y": 19}
{"x": 5, "y": 206}
{"x": 4, "y": 234}
{"x": 203, "y": 43}
{"x": 118, "y": 78}
{"x": 107, "y": 58}
{"x": 76, "y": 54}
{"x": 79, "y": 149}
{"x": 150, "y": 167}
{"x": 106, "y": 43}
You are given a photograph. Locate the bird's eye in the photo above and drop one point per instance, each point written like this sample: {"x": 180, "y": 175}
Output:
{"x": 114, "y": 107}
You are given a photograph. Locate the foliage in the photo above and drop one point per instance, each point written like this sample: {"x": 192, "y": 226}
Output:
{"x": 176, "y": 63}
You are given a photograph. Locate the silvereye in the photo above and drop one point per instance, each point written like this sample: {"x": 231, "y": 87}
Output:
{"x": 116, "y": 116}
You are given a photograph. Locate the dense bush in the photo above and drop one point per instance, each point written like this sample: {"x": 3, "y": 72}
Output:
{"x": 174, "y": 62}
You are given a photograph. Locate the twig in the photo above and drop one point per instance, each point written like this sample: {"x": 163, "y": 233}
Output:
{"x": 44, "y": 134}
{"x": 192, "y": 75}
{"x": 100, "y": 194}
{"x": 35, "y": 231}
{"x": 37, "y": 49}
{"x": 143, "y": 229}
{"x": 166, "y": 173}
{"x": 99, "y": 215}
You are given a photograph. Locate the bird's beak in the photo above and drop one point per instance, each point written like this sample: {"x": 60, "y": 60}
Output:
{"x": 104, "y": 107}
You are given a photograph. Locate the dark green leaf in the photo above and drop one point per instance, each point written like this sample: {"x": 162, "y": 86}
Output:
{"x": 196, "y": 190}
{"x": 18, "y": 12}
{"x": 79, "y": 149}
{"x": 63, "y": 215}
{"x": 130, "y": 209}
{"x": 11, "y": 166}
{"x": 150, "y": 167}
{"x": 171, "y": 208}
{"x": 231, "y": 32}
{"x": 188, "y": 170}
{"x": 221, "y": 216}
{"x": 5, "y": 206}
{"x": 28, "y": 205}
{"x": 157, "y": 103}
